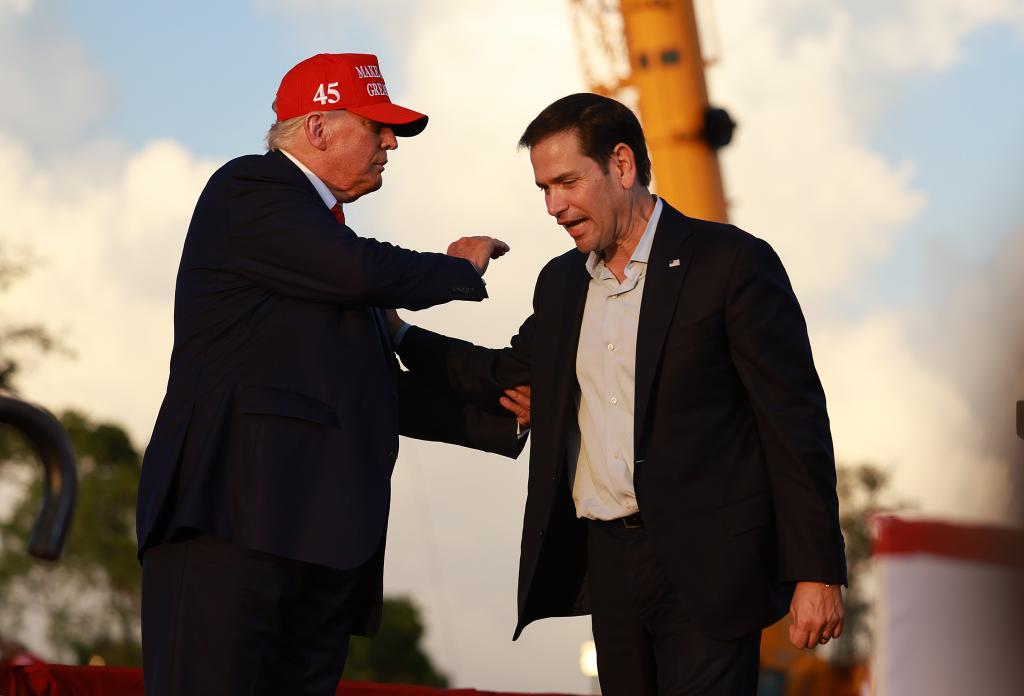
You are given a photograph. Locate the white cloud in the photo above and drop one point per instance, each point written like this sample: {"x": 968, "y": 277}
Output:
{"x": 352, "y": 26}
{"x": 889, "y": 407}
{"x": 928, "y": 34}
{"x": 974, "y": 334}
{"x": 464, "y": 175}
{"x": 902, "y": 37}
{"x": 804, "y": 80}
{"x": 108, "y": 248}
{"x": 799, "y": 173}
{"x": 18, "y": 7}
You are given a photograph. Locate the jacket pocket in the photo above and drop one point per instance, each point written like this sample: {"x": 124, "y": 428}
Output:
{"x": 273, "y": 401}
{"x": 747, "y": 513}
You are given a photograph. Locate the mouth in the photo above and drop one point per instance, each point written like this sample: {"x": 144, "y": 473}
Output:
{"x": 574, "y": 227}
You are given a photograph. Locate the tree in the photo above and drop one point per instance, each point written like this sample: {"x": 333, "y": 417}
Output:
{"x": 13, "y": 337}
{"x": 394, "y": 655}
{"x": 863, "y": 493}
{"x": 91, "y": 598}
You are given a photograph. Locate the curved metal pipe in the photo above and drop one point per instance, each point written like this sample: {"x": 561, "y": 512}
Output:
{"x": 60, "y": 476}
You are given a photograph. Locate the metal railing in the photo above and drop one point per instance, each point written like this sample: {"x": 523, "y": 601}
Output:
{"x": 60, "y": 478}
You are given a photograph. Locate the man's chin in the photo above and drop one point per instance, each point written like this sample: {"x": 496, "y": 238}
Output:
{"x": 583, "y": 245}
{"x": 355, "y": 194}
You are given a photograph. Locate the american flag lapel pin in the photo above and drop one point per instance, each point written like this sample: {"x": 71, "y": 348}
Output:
{"x": 673, "y": 263}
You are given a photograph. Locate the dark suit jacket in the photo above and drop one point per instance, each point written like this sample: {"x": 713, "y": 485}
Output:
{"x": 734, "y": 471}
{"x": 280, "y": 425}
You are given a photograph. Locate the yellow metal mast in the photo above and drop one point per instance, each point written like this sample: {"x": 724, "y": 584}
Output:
{"x": 659, "y": 41}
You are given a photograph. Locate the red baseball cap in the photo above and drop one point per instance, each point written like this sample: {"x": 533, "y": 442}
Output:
{"x": 351, "y": 81}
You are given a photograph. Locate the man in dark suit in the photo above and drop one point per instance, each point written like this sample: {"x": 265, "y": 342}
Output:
{"x": 682, "y": 479}
{"x": 264, "y": 497}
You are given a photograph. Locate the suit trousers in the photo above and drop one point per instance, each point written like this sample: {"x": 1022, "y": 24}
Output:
{"x": 222, "y": 620}
{"x": 647, "y": 645}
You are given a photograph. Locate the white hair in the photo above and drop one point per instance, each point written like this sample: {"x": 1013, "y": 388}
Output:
{"x": 281, "y": 132}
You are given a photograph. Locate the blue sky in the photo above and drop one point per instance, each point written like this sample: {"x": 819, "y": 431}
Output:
{"x": 880, "y": 150}
{"x": 963, "y": 130}
{"x": 205, "y": 73}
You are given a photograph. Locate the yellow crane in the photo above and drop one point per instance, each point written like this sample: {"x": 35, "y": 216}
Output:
{"x": 647, "y": 53}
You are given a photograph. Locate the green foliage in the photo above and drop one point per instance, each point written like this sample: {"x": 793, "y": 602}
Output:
{"x": 92, "y": 595}
{"x": 394, "y": 655}
{"x": 15, "y": 337}
{"x": 862, "y": 490}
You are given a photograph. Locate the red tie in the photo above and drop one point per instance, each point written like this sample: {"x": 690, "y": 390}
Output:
{"x": 338, "y": 213}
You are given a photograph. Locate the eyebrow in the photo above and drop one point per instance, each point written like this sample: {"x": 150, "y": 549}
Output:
{"x": 560, "y": 178}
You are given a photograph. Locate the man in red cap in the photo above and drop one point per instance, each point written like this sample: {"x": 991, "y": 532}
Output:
{"x": 263, "y": 504}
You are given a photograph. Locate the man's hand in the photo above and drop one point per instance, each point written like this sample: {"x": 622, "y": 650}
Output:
{"x": 478, "y": 250}
{"x": 517, "y": 401}
{"x": 817, "y": 611}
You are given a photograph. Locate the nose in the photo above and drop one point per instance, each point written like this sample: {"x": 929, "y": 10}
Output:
{"x": 388, "y": 141}
{"x": 555, "y": 202}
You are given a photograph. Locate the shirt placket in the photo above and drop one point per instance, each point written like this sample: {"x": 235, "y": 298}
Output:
{"x": 613, "y": 319}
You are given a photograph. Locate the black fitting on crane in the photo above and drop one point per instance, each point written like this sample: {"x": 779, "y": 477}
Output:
{"x": 718, "y": 127}
{"x": 60, "y": 476}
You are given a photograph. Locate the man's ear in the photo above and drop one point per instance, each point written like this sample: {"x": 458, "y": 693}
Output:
{"x": 623, "y": 165}
{"x": 315, "y": 130}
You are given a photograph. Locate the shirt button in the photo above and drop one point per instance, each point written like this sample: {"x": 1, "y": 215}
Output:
{"x": 611, "y": 346}
{"x": 613, "y": 401}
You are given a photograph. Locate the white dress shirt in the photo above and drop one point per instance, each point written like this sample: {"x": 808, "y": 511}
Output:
{"x": 602, "y": 474}
{"x": 325, "y": 193}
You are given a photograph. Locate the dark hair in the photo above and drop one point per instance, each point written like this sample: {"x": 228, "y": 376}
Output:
{"x": 600, "y": 124}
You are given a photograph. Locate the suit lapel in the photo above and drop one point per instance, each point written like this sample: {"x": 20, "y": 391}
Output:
{"x": 567, "y": 329}
{"x": 666, "y": 269}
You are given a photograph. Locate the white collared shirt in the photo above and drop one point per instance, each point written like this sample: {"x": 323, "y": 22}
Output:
{"x": 325, "y": 193}
{"x": 602, "y": 474}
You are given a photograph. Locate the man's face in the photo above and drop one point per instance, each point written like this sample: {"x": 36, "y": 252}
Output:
{"x": 356, "y": 155}
{"x": 585, "y": 200}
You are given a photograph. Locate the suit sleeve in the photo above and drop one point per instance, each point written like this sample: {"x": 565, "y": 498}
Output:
{"x": 428, "y": 412}
{"x": 280, "y": 239}
{"x": 474, "y": 373}
{"x": 471, "y": 372}
{"x": 772, "y": 353}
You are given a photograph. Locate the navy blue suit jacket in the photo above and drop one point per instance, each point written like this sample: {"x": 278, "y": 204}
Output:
{"x": 280, "y": 425}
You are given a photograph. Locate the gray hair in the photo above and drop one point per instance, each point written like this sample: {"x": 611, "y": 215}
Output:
{"x": 281, "y": 132}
